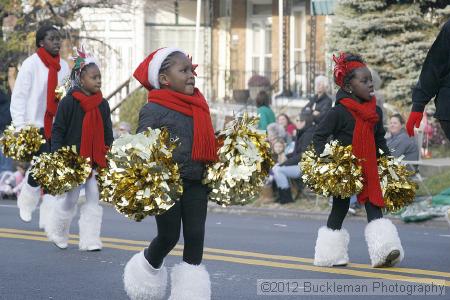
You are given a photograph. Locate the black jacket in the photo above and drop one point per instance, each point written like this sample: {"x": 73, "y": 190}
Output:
{"x": 339, "y": 125}
{"x": 5, "y": 114}
{"x": 68, "y": 124}
{"x": 302, "y": 140}
{"x": 322, "y": 105}
{"x": 180, "y": 126}
{"x": 434, "y": 78}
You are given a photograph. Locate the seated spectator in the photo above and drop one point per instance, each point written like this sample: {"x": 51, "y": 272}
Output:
{"x": 290, "y": 168}
{"x": 321, "y": 103}
{"x": 284, "y": 121}
{"x": 399, "y": 142}
{"x": 11, "y": 183}
{"x": 275, "y": 132}
{"x": 265, "y": 113}
{"x": 278, "y": 154}
{"x": 122, "y": 129}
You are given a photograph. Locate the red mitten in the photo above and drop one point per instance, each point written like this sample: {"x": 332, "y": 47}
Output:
{"x": 415, "y": 117}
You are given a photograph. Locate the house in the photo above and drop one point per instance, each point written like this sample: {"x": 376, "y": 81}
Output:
{"x": 278, "y": 39}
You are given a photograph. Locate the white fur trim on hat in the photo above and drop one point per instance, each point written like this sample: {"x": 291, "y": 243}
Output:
{"x": 91, "y": 60}
{"x": 156, "y": 62}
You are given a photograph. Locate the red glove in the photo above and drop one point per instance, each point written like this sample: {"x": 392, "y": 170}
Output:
{"x": 415, "y": 117}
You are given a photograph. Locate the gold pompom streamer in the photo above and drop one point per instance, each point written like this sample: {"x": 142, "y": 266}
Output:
{"x": 61, "y": 91}
{"x": 23, "y": 144}
{"x": 397, "y": 187}
{"x": 335, "y": 172}
{"x": 60, "y": 171}
{"x": 142, "y": 178}
{"x": 244, "y": 163}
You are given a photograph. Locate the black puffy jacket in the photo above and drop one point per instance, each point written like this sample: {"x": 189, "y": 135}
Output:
{"x": 434, "y": 80}
{"x": 68, "y": 125}
{"x": 339, "y": 124}
{"x": 180, "y": 127}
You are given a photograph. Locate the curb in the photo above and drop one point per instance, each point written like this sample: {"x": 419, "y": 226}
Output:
{"x": 311, "y": 215}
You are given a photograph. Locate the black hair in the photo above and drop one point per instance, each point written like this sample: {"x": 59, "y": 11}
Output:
{"x": 75, "y": 78}
{"x": 399, "y": 117}
{"x": 42, "y": 32}
{"x": 307, "y": 117}
{"x": 168, "y": 62}
{"x": 86, "y": 67}
{"x": 351, "y": 57}
{"x": 262, "y": 99}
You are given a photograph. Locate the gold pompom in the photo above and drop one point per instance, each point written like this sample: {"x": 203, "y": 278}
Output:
{"x": 60, "y": 171}
{"x": 335, "y": 172}
{"x": 61, "y": 91}
{"x": 21, "y": 145}
{"x": 397, "y": 187}
{"x": 244, "y": 163}
{"x": 142, "y": 178}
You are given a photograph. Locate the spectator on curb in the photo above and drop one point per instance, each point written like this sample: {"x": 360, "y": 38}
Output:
{"x": 399, "y": 142}
{"x": 274, "y": 132}
{"x": 265, "y": 113}
{"x": 321, "y": 102}
{"x": 122, "y": 129}
{"x": 278, "y": 147}
{"x": 285, "y": 121}
{"x": 290, "y": 168}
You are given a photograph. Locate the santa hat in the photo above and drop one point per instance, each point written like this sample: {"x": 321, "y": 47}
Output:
{"x": 147, "y": 73}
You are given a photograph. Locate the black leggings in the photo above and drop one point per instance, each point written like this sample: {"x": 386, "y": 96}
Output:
{"x": 340, "y": 208}
{"x": 191, "y": 210}
{"x": 45, "y": 148}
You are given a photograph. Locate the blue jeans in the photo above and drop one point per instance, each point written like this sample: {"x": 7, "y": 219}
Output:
{"x": 6, "y": 163}
{"x": 282, "y": 173}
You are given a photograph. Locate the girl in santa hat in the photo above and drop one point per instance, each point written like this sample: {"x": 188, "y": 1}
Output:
{"x": 33, "y": 102}
{"x": 356, "y": 120}
{"x": 83, "y": 119}
{"x": 176, "y": 104}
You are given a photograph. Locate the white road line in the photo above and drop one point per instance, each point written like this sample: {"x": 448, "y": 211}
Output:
{"x": 8, "y": 205}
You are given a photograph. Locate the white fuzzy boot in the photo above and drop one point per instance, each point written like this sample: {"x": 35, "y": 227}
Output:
{"x": 47, "y": 205}
{"x": 189, "y": 282}
{"x": 28, "y": 200}
{"x": 58, "y": 225}
{"x": 142, "y": 281}
{"x": 331, "y": 247}
{"x": 385, "y": 248}
{"x": 90, "y": 224}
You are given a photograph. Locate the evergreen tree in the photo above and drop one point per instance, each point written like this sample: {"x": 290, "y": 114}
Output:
{"x": 392, "y": 36}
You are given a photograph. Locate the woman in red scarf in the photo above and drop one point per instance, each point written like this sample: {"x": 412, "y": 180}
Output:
{"x": 175, "y": 103}
{"x": 356, "y": 120}
{"x": 83, "y": 119}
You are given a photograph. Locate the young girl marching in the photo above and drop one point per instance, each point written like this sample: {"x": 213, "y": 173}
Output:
{"x": 356, "y": 120}
{"x": 83, "y": 119}
{"x": 33, "y": 102}
{"x": 175, "y": 103}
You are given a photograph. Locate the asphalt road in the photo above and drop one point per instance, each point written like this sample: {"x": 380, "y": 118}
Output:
{"x": 240, "y": 249}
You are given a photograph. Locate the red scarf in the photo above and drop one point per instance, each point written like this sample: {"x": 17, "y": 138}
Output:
{"x": 195, "y": 106}
{"x": 364, "y": 147}
{"x": 52, "y": 63}
{"x": 92, "y": 135}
